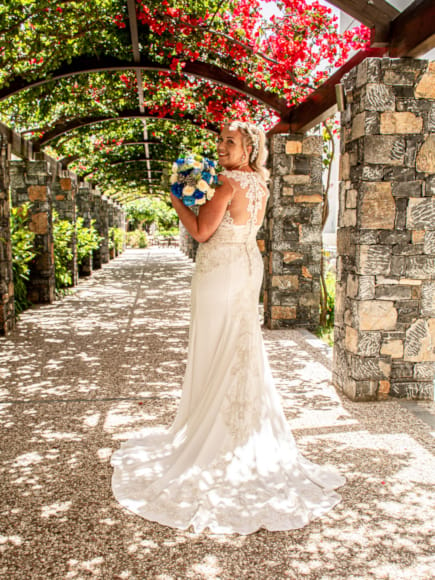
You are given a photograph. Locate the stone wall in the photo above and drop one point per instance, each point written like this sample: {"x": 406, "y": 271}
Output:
{"x": 187, "y": 244}
{"x": 31, "y": 181}
{"x": 293, "y": 233}
{"x": 99, "y": 210}
{"x": 83, "y": 209}
{"x": 7, "y": 308}
{"x": 385, "y": 303}
{"x": 64, "y": 190}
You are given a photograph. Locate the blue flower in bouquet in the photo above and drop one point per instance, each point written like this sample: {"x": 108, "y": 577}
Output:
{"x": 193, "y": 179}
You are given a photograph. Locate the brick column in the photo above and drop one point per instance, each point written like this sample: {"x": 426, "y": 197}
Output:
{"x": 83, "y": 209}
{"x": 7, "y": 306}
{"x": 64, "y": 190}
{"x": 31, "y": 181}
{"x": 385, "y": 304}
{"x": 293, "y": 232}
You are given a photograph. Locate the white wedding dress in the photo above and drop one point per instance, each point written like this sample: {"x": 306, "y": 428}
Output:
{"x": 229, "y": 463}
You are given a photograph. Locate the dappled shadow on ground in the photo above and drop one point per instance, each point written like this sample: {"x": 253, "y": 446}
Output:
{"x": 80, "y": 375}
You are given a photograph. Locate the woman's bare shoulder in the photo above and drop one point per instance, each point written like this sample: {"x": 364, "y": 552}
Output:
{"x": 225, "y": 187}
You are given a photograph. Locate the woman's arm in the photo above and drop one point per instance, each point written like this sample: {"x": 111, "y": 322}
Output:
{"x": 202, "y": 226}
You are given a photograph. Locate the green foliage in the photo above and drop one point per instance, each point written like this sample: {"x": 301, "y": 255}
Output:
{"x": 87, "y": 239}
{"x": 326, "y": 332}
{"x": 22, "y": 254}
{"x": 137, "y": 239}
{"x": 116, "y": 239}
{"x": 63, "y": 232}
{"x": 330, "y": 300}
{"x": 144, "y": 212}
{"x": 170, "y": 233}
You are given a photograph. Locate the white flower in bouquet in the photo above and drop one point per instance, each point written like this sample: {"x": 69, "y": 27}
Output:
{"x": 188, "y": 190}
{"x": 202, "y": 185}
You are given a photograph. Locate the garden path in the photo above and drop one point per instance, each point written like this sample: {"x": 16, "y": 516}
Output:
{"x": 77, "y": 376}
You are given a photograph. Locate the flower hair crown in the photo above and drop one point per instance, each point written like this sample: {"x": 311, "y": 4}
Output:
{"x": 254, "y": 136}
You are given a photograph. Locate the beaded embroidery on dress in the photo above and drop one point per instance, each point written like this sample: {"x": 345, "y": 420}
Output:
{"x": 229, "y": 463}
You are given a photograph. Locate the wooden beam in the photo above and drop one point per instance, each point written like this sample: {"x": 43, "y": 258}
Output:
{"x": 413, "y": 32}
{"x": 321, "y": 103}
{"x": 371, "y": 13}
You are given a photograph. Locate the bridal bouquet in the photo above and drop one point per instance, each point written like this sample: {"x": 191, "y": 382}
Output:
{"x": 193, "y": 179}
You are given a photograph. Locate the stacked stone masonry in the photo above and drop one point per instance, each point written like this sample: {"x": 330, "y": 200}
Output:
{"x": 293, "y": 232}
{"x": 64, "y": 192}
{"x": 45, "y": 186}
{"x": 83, "y": 208}
{"x": 31, "y": 181}
{"x": 7, "y": 307}
{"x": 385, "y": 300}
{"x": 100, "y": 212}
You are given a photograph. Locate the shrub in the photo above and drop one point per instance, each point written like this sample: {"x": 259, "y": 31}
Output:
{"x": 63, "y": 232}
{"x": 87, "y": 239}
{"x": 170, "y": 233}
{"x": 137, "y": 239}
{"x": 22, "y": 254}
{"x": 116, "y": 239}
{"x": 326, "y": 332}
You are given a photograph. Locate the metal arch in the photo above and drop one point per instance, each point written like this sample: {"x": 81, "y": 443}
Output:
{"x": 102, "y": 63}
{"x": 63, "y": 128}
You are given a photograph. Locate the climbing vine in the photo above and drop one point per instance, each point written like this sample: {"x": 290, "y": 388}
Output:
{"x": 284, "y": 48}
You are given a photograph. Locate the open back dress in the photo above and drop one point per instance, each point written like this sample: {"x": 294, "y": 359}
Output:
{"x": 229, "y": 462}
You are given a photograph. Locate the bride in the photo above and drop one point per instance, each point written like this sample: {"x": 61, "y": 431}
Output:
{"x": 229, "y": 463}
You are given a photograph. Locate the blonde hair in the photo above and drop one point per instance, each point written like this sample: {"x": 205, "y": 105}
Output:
{"x": 253, "y": 136}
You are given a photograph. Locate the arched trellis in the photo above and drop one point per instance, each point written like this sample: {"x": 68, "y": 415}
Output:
{"x": 66, "y": 161}
{"x": 130, "y": 161}
{"x": 114, "y": 163}
{"x": 104, "y": 63}
{"x": 62, "y": 128}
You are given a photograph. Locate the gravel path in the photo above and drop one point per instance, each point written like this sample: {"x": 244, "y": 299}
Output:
{"x": 77, "y": 376}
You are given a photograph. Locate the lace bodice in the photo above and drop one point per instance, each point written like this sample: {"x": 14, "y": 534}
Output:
{"x": 255, "y": 190}
{"x": 241, "y": 237}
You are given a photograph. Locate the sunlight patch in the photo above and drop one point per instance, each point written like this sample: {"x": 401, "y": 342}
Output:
{"x": 55, "y": 509}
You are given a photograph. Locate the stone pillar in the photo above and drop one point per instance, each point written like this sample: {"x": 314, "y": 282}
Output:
{"x": 83, "y": 209}
{"x": 31, "y": 181}
{"x": 294, "y": 232}
{"x": 385, "y": 302}
{"x": 64, "y": 190}
{"x": 187, "y": 244}
{"x": 7, "y": 307}
{"x": 99, "y": 213}
{"x": 111, "y": 224}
